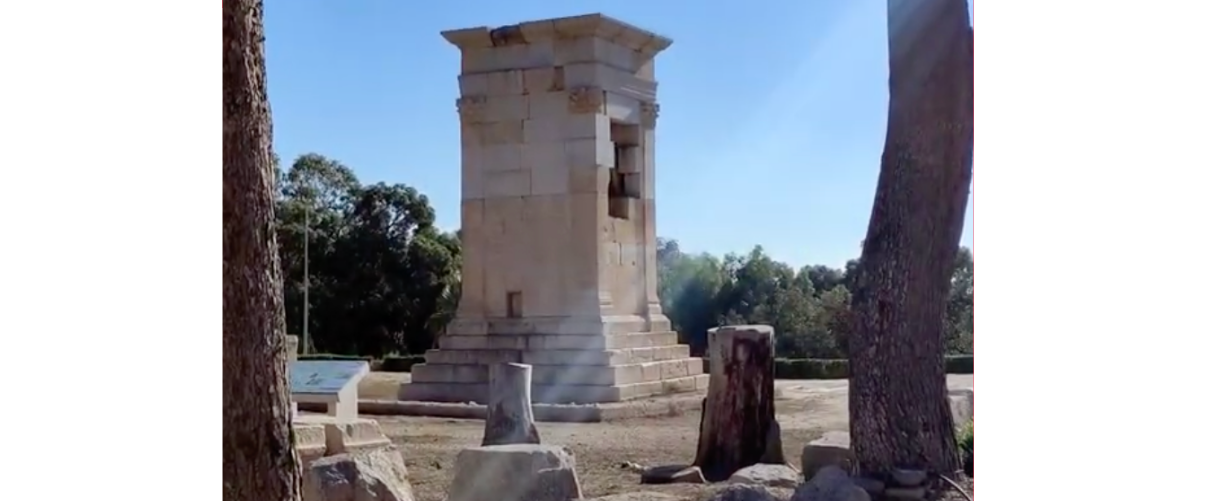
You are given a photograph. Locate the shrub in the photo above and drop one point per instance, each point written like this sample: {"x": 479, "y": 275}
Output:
{"x": 966, "y": 438}
{"x": 399, "y": 363}
{"x": 332, "y": 356}
{"x": 960, "y": 364}
{"x": 811, "y": 368}
{"x": 838, "y": 368}
{"x": 966, "y": 444}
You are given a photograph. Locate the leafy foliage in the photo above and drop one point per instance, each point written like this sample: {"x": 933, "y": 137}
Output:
{"x": 379, "y": 269}
{"x": 384, "y": 280}
{"x": 966, "y": 437}
{"x": 809, "y": 308}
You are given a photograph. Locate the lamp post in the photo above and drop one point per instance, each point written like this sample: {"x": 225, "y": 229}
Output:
{"x": 305, "y": 288}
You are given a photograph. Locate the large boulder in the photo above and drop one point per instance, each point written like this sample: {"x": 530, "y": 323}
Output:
{"x": 369, "y": 475}
{"x": 830, "y": 483}
{"x": 769, "y": 475}
{"x": 516, "y": 472}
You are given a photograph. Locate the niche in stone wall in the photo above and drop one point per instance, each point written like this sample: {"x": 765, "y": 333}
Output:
{"x": 624, "y": 187}
{"x": 514, "y": 305}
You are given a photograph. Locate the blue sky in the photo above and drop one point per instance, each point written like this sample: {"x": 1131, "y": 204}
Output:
{"x": 772, "y": 112}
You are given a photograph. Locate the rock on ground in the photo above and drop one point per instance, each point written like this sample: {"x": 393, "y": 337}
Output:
{"x": 831, "y": 449}
{"x": 372, "y": 475}
{"x": 672, "y": 474}
{"x": 517, "y": 472}
{"x": 769, "y": 475}
{"x": 830, "y": 483}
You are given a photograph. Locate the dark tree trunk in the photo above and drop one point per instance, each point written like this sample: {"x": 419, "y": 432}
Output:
{"x": 259, "y": 460}
{"x": 737, "y": 428}
{"x": 509, "y": 419}
{"x": 899, "y": 414}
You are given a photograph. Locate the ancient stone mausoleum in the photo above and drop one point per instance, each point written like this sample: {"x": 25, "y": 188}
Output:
{"x": 557, "y": 124}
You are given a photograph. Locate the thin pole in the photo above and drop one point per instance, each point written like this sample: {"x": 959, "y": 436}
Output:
{"x": 305, "y": 289}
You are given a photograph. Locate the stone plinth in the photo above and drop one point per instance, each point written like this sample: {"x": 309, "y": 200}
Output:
{"x": 558, "y": 121}
{"x": 321, "y": 436}
{"x": 291, "y": 346}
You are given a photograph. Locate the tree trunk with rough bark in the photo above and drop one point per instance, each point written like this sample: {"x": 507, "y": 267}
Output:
{"x": 899, "y": 413}
{"x": 738, "y": 427}
{"x": 509, "y": 419}
{"x": 259, "y": 460}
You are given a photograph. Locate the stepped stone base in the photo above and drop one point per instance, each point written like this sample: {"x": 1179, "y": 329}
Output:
{"x": 565, "y": 369}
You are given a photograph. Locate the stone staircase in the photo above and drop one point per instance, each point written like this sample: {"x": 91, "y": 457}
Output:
{"x": 566, "y": 369}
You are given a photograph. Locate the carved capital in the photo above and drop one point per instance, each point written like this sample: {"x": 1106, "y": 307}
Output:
{"x": 586, "y": 100}
{"x": 471, "y": 109}
{"x": 648, "y": 114}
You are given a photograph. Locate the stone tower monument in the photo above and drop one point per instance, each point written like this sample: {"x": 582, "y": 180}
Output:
{"x": 557, "y": 127}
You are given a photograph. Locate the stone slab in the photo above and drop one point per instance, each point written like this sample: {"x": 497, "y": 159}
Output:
{"x": 331, "y": 382}
{"x": 535, "y": 342}
{"x": 962, "y": 406}
{"x": 346, "y": 435}
{"x": 553, "y": 394}
{"x": 560, "y": 357}
{"x": 565, "y": 375}
{"x": 325, "y": 377}
{"x": 311, "y": 440}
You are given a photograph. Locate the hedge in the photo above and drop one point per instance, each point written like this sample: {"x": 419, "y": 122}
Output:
{"x": 784, "y": 368}
{"x": 817, "y": 368}
{"x": 391, "y": 363}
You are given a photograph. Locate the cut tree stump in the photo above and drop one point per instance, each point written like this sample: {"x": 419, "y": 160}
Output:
{"x": 509, "y": 419}
{"x": 738, "y": 427}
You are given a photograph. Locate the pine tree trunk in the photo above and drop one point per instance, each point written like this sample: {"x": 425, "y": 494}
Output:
{"x": 509, "y": 419}
{"x": 259, "y": 460}
{"x": 737, "y": 428}
{"x": 899, "y": 415}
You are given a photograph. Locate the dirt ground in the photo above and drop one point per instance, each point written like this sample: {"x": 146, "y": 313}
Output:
{"x": 805, "y": 409}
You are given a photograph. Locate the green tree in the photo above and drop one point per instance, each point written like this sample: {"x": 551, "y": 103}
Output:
{"x": 382, "y": 277}
{"x": 960, "y": 307}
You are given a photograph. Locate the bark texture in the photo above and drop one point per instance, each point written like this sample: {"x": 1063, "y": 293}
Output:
{"x": 509, "y": 419}
{"x": 737, "y": 428}
{"x": 259, "y": 460}
{"x": 899, "y": 414}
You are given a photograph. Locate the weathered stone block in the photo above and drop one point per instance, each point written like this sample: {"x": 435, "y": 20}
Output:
{"x": 520, "y": 472}
{"x": 474, "y": 84}
{"x": 505, "y": 83}
{"x": 511, "y": 183}
{"x": 507, "y": 108}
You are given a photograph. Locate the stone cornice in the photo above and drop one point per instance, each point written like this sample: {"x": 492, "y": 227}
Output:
{"x": 590, "y": 25}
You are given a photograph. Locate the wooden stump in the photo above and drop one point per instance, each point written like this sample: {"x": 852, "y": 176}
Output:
{"x": 738, "y": 428}
{"x": 509, "y": 419}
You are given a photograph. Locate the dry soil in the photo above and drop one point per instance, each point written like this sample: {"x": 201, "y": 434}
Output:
{"x": 805, "y": 409}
